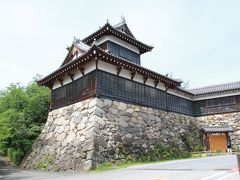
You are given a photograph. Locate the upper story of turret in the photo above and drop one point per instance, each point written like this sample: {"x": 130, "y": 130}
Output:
{"x": 117, "y": 40}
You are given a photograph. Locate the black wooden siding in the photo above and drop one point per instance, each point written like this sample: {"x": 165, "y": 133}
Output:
{"x": 123, "y": 52}
{"x": 122, "y": 89}
{"x": 70, "y": 93}
{"x": 217, "y": 105}
{"x": 104, "y": 84}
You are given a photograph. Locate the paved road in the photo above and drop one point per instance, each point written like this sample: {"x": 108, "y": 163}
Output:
{"x": 211, "y": 168}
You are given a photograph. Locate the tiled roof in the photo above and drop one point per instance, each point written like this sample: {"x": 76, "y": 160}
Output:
{"x": 79, "y": 45}
{"x": 108, "y": 29}
{"x": 216, "y": 129}
{"x": 123, "y": 25}
{"x": 216, "y": 88}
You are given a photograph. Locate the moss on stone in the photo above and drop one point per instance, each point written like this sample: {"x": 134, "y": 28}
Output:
{"x": 45, "y": 162}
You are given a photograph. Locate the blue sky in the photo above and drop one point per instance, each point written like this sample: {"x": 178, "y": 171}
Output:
{"x": 197, "y": 41}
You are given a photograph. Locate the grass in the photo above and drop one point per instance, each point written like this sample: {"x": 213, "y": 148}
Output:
{"x": 108, "y": 166}
{"x": 111, "y": 166}
{"x": 103, "y": 167}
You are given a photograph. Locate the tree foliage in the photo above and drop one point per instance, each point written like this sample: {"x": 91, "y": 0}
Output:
{"x": 23, "y": 112}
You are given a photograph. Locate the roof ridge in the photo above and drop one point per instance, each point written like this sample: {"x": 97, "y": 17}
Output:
{"x": 122, "y": 21}
{"x": 121, "y": 24}
{"x": 107, "y": 23}
{"x": 131, "y": 39}
{"x": 76, "y": 43}
{"x": 68, "y": 64}
{"x": 216, "y": 85}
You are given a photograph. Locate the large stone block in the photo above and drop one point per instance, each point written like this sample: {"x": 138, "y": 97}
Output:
{"x": 70, "y": 137}
{"x": 87, "y": 165}
{"x": 96, "y": 102}
{"x": 122, "y": 122}
{"x": 107, "y": 103}
{"x": 61, "y": 136}
{"x": 81, "y": 125}
{"x": 122, "y": 106}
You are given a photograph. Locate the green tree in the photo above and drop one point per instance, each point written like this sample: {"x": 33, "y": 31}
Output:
{"x": 23, "y": 112}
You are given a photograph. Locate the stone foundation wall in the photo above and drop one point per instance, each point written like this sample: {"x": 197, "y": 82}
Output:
{"x": 131, "y": 129}
{"x": 79, "y": 136}
{"x": 230, "y": 119}
{"x": 66, "y": 142}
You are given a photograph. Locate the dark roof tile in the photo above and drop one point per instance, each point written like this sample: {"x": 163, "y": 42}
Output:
{"x": 216, "y": 129}
{"x": 216, "y": 88}
{"x": 108, "y": 29}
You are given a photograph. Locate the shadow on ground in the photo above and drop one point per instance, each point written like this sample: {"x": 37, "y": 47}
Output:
{"x": 6, "y": 169}
{"x": 9, "y": 172}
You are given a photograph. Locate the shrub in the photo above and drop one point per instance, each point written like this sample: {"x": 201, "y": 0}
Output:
{"x": 28, "y": 147}
{"x": 164, "y": 153}
{"x": 17, "y": 157}
{"x": 192, "y": 140}
{"x": 10, "y": 152}
{"x": 3, "y": 152}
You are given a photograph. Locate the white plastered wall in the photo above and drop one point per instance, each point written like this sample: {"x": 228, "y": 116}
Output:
{"x": 77, "y": 74}
{"x": 150, "y": 82}
{"x": 56, "y": 85}
{"x": 161, "y": 86}
{"x": 125, "y": 73}
{"x": 89, "y": 67}
{"x": 180, "y": 94}
{"x": 66, "y": 80}
{"x": 107, "y": 67}
{"x": 138, "y": 78}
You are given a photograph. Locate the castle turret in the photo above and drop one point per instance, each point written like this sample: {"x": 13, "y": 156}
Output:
{"x": 106, "y": 106}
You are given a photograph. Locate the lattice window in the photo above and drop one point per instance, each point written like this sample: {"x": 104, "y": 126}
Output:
{"x": 220, "y": 102}
{"x": 135, "y": 92}
{"x": 123, "y": 52}
{"x": 75, "y": 91}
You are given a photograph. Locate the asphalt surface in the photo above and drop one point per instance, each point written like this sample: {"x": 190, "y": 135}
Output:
{"x": 210, "y": 168}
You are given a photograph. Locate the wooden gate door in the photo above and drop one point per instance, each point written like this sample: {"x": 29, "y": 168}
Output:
{"x": 218, "y": 142}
